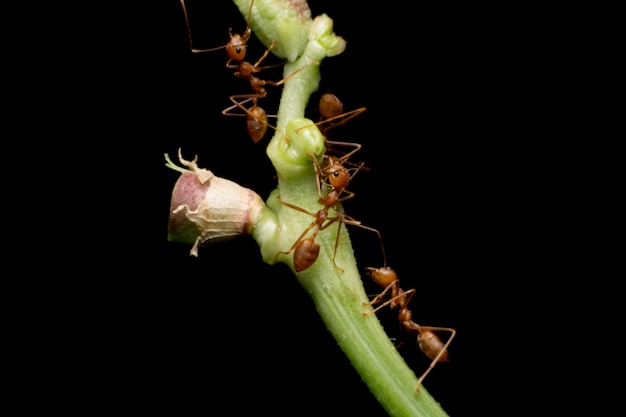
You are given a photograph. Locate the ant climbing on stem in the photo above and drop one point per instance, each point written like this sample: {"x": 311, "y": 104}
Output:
{"x": 332, "y": 175}
{"x": 332, "y": 115}
{"x": 333, "y": 170}
{"x": 306, "y": 250}
{"x": 430, "y": 344}
{"x": 331, "y": 110}
{"x": 256, "y": 117}
{"x": 236, "y": 48}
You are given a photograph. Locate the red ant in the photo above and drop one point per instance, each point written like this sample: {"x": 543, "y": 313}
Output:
{"x": 306, "y": 250}
{"x": 256, "y": 117}
{"x": 332, "y": 174}
{"x": 332, "y": 115}
{"x": 428, "y": 341}
{"x": 333, "y": 170}
{"x": 331, "y": 110}
{"x": 235, "y": 47}
{"x": 236, "y": 50}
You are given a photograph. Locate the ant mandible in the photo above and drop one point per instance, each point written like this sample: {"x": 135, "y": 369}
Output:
{"x": 430, "y": 344}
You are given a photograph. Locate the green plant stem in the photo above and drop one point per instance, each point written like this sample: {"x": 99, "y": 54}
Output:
{"x": 339, "y": 295}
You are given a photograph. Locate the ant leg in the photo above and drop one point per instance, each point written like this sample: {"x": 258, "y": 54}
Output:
{"x": 238, "y": 104}
{"x": 296, "y": 243}
{"x": 277, "y": 83}
{"x": 267, "y": 51}
{"x": 344, "y": 116}
{"x": 354, "y": 222}
{"x": 345, "y": 157}
{"x": 389, "y": 301}
{"x": 318, "y": 173}
{"x": 195, "y": 50}
{"x": 300, "y": 238}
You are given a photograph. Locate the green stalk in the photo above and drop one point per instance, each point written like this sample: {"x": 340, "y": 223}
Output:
{"x": 339, "y": 296}
{"x": 333, "y": 281}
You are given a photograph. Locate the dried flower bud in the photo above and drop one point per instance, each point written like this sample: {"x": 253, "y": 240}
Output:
{"x": 207, "y": 209}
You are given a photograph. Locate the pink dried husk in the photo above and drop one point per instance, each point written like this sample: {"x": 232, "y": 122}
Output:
{"x": 207, "y": 209}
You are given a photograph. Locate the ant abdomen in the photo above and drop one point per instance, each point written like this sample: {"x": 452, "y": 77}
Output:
{"x": 305, "y": 254}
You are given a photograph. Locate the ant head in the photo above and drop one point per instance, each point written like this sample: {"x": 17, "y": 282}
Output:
{"x": 382, "y": 276}
{"x": 335, "y": 172}
{"x": 236, "y": 46}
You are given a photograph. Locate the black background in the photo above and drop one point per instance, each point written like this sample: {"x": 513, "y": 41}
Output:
{"x": 426, "y": 136}
{"x": 447, "y": 138}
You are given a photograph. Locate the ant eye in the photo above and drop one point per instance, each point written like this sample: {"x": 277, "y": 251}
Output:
{"x": 236, "y": 51}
